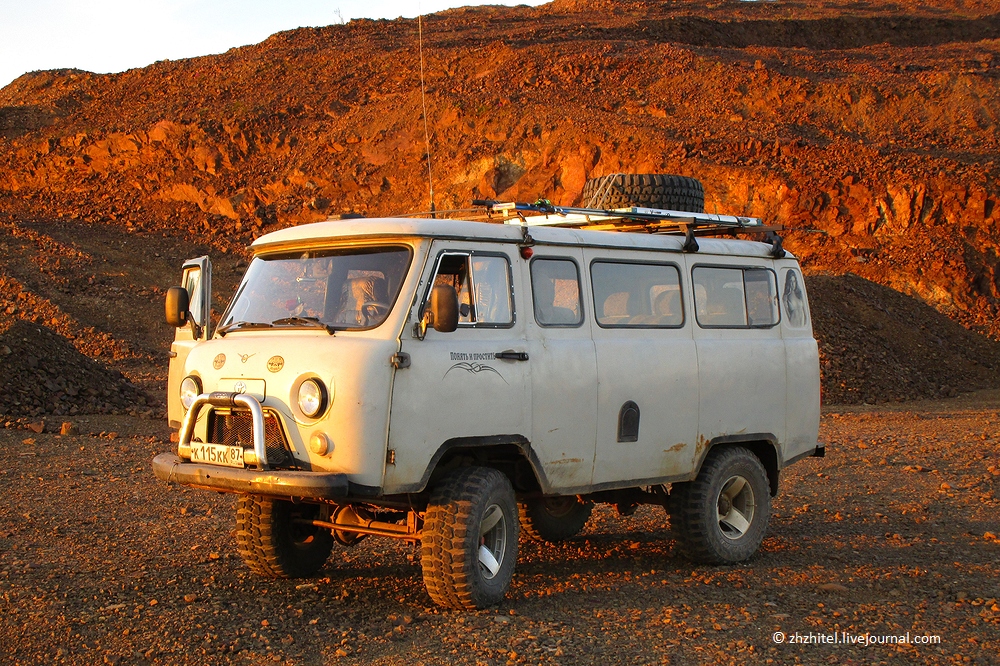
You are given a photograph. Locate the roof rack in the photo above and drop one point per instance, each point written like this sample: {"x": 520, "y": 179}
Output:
{"x": 635, "y": 219}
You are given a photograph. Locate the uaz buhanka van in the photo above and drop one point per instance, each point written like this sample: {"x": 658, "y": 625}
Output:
{"x": 460, "y": 384}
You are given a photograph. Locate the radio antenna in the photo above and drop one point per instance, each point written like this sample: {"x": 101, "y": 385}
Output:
{"x": 423, "y": 104}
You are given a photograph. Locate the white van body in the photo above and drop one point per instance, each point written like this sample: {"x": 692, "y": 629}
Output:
{"x": 561, "y": 374}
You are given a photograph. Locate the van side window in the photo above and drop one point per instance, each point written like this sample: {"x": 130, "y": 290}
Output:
{"x": 735, "y": 297}
{"x": 762, "y": 297}
{"x": 636, "y": 295}
{"x": 453, "y": 270}
{"x": 491, "y": 282}
{"x": 486, "y": 276}
{"x": 555, "y": 289}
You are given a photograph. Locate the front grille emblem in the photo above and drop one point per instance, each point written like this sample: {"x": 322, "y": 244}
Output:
{"x": 240, "y": 387}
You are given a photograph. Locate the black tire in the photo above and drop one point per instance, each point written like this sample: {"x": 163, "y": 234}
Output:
{"x": 273, "y": 545}
{"x": 461, "y": 505}
{"x": 697, "y": 508}
{"x": 648, "y": 190}
{"x": 554, "y": 519}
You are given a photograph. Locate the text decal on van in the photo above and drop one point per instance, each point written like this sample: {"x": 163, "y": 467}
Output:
{"x": 464, "y": 356}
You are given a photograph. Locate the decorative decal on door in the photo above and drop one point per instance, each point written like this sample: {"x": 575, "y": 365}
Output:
{"x": 475, "y": 368}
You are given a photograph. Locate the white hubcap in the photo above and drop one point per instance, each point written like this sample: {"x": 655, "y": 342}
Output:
{"x": 492, "y": 541}
{"x": 736, "y": 507}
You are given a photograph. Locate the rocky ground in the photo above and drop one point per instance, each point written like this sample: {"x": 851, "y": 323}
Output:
{"x": 894, "y": 532}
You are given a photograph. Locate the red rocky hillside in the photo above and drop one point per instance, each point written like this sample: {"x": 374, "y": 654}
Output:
{"x": 868, "y": 130}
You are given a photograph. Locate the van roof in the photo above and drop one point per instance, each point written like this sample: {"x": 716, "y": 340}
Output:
{"x": 369, "y": 228}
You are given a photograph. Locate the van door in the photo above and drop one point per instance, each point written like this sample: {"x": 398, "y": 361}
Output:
{"x": 741, "y": 356}
{"x": 469, "y": 386}
{"x": 647, "y": 416}
{"x": 802, "y": 362}
{"x": 563, "y": 368}
{"x": 196, "y": 278}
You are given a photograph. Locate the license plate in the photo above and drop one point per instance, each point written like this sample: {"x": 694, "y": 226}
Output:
{"x": 217, "y": 454}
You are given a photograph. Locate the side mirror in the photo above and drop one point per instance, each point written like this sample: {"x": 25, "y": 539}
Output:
{"x": 444, "y": 308}
{"x": 176, "y": 306}
{"x": 441, "y": 313}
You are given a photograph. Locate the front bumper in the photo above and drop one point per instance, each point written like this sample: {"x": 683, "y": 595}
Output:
{"x": 273, "y": 483}
{"x": 262, "y": 481}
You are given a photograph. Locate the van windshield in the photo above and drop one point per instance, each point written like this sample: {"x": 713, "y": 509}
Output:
{"x": 345, "y": 289}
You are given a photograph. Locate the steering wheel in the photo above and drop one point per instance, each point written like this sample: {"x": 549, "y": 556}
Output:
{"x": 373, "y": 309}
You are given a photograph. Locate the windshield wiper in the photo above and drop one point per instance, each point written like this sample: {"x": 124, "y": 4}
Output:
{"x": 310, "y": 322}
{"x": 232, "y": 326}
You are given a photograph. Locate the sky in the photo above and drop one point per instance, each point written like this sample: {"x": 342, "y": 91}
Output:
{"x": 114, "y": 35}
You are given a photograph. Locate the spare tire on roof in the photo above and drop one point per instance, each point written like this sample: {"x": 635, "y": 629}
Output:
{"x": 645, "y": 190}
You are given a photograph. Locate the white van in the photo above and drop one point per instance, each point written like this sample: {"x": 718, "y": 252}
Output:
{"x": 459, "y": 383}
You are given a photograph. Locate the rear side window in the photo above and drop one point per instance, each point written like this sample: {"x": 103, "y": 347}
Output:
{"x": 555, "y": 290}
{"x": 735, "y": 297}
{"x": 636, "y": 295}
{"x": 482, "y": 282}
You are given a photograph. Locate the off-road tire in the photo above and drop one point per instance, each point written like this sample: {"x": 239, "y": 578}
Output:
{"x": 450, "y": 541}
{"x": 648, "y": 190}
{"x": 273, "y": 545}
{"x": 553, "y": 519}
{"x": 695, "y": 508}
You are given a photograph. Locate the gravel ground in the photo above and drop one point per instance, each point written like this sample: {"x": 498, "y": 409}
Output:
{"x": 892, "y": 533}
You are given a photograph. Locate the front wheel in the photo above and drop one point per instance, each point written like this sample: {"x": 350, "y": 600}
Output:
{"x": 554, "y": 519}
{"x": 275, "y": 539}
{"x": 721, "y": 516}
{"x": 469, "y": 542}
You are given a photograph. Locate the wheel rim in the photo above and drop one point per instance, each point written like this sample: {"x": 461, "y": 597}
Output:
{"x": 492, "y": 541}
{"x": 736, "y": 507}
{"x": 559, "y": 507}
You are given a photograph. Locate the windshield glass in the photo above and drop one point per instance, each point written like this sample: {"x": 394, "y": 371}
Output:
{"x": 344, "y": 289}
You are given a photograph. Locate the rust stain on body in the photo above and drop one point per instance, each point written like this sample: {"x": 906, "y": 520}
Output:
{"x": 566, "y": 461}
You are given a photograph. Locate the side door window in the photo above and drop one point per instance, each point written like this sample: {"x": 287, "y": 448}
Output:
{"x": 197, "y": 280}
{"x": 483, "y": 284}
{"x": 555, "y": 290}
{"x": 735, "y": 297}
{"x": 636, "y": 295}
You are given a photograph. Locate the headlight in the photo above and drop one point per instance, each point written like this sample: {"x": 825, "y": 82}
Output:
{"x": 190, "y": 389}
{"x": 312, "y": 398}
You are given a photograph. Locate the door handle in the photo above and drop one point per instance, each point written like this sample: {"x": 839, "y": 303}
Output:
{"x": 511, "y": 355}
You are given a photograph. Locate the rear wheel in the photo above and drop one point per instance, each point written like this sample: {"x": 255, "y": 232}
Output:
{"x": 647, "y": 190}
{"x": 469, "y": 539}
{"x": 721, "y": 516}
{"x": 274, "y": 544}
{"x": 554, "y": 518}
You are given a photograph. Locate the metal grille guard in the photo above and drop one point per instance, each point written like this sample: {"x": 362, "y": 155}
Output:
{"x": 225, "y": 399}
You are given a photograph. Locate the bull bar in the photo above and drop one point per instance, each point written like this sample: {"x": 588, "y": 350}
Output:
{"x": 262, "y": 481}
